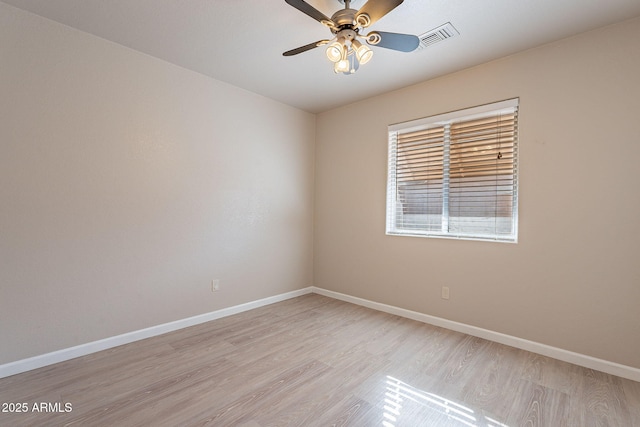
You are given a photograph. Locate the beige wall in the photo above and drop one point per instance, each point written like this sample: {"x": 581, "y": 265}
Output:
{"x": 127, "y": 184}
{"x": 573, "y": 280}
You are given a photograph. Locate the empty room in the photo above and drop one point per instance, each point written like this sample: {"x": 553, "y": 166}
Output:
{"x": 320, "y": 213}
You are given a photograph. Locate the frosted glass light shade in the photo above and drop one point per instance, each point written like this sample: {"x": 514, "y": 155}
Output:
{"x": 335, "y": 50}
{"x": 341, "y": 66}
{"x": 363, "y": 53}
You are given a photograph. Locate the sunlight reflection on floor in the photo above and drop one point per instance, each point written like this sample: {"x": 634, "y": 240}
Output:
{"x": 403, "y": 402}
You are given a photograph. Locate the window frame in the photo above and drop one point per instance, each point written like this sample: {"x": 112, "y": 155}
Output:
{"x": 509, "y": 106}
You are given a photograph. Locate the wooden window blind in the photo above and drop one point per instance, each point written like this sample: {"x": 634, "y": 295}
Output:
{"x": 455, "y": 175}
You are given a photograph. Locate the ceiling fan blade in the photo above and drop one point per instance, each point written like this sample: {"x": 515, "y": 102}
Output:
{"x": 376, "y": 9}
{"x": 394, "y": 41}
{"x": 307, "y": 9}
{"x": 305, "y": 48}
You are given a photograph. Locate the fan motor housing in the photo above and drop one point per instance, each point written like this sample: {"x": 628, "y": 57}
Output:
{"x": 344, "y": 18}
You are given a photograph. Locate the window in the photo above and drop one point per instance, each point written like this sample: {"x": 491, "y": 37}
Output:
{"x": 455, "y": 175}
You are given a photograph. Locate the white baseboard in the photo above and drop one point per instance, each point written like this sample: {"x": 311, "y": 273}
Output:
{"x": 40, "y": 361}
{"x": 534, "y": 347}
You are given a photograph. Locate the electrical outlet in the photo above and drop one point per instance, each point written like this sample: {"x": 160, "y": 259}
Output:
{"x": 215, "y": 285}
{"x": 445, "y": 292}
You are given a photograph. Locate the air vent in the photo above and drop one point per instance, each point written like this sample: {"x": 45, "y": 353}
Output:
{"x": 443, "y": 32}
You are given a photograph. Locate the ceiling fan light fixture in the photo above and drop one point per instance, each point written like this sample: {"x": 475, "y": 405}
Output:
{"x": 335, "y": 51}
{"x": 343, "y": 50}
{"x": 342, "y": 66}
{"x": 363, "y": 53}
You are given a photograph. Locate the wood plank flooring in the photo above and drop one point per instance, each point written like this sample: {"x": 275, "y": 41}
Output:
{"x": 316, "y": 361}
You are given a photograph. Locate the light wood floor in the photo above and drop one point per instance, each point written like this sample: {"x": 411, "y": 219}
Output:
{"x": 315, "y": 361}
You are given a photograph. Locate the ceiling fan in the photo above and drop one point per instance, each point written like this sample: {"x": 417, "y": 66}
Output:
{"x": 345, "y": 50}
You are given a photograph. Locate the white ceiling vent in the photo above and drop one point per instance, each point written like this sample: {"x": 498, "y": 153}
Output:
{"x": 443, "y": 32}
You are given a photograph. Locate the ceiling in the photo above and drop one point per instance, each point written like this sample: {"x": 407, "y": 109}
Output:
{"x": 241, "y": 41}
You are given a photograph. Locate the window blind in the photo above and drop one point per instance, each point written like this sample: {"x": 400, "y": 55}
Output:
{"x": 455, "y": 175}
